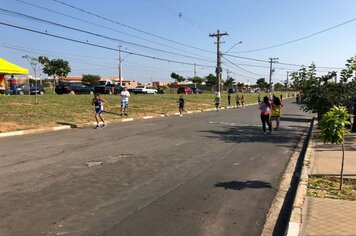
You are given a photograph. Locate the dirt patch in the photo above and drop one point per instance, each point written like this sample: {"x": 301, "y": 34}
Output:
{"x": 10, "y": 126}
{"x": 328, "y": 187}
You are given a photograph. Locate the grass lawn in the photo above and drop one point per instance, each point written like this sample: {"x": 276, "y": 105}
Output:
{"x": 328, "y": 187}
{"x": 20, "y": 112}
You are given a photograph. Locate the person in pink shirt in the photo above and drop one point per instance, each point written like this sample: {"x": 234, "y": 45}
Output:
{"x": 265, "y": 108}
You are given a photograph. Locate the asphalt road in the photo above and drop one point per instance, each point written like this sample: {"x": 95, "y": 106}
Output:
{"x": 212, "y": 173}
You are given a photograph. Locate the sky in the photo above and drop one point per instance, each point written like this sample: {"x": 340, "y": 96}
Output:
{"x": 173, "y": 35}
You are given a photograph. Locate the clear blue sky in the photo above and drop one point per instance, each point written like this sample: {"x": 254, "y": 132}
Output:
{"x": 258, "y": 23}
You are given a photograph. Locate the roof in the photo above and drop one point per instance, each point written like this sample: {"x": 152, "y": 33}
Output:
{"x": 9, "y": 68}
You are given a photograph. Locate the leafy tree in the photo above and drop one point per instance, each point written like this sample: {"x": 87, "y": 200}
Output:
{"x": 177, "y": 78}
{"x": 332, "y": 130}
{"x": 278, "y": 87}
{"x": 54, "y": 67}
{"x": 229, "y": 82}
{"x": 262, "y": 84}
{"x": 210, "y": 80}
{"x": 197, "y": 80}
{"x": 90, "y": 79}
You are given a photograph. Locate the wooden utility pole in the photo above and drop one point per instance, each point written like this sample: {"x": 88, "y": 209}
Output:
{"x": 120, "y": 67}
{"x": 218, "y": 69}
{"x": 271, "y": 61}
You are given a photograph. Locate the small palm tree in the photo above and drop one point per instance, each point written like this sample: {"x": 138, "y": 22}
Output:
{"x": 332, "y": 130}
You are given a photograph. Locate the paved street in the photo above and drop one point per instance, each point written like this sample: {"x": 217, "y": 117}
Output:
{"x": 212, "y": 173}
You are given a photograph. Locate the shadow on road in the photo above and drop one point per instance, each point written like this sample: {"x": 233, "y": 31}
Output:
{"x": 66, "y": 123}
{"x": 295, "y": 119}
{"x": 237, "y": 185}
{"x": 252, "y": 134}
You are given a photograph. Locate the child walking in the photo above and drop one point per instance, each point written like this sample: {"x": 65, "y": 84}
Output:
{"x": 181, "y": 105}
{"x": 98, "y": 104}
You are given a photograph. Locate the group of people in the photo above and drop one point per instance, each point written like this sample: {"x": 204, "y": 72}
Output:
{"x": 240, "y": 101}
{"x": 98, "y": 104}
{"x": 270, "y": 111}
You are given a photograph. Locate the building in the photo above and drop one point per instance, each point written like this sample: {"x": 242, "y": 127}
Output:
{"x": 160, "y": 84}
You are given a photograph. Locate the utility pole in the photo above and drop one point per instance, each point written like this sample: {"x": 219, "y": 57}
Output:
{"x": 271, "y": 61}
{"x": 33, "y": 61}
{"x": 218, "y": 69}
{"x": 120, "y": 66}
{"x": 195, "y": 69}
{"x": 287, "y": 83}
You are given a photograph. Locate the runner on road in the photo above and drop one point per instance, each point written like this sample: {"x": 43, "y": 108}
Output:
{"x": 124, "y": 101}
{"x": 98, "y": 104}
{"x": 217, "y": 102}
{"x": 181, "y": 103}
{"x": 265, "y": 108}
{"x": 276, "y": 111}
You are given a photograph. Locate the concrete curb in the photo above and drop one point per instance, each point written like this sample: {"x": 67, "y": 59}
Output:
{"x": 293, "y": 226}
{"x": 296, "y": 218}
{"x": 34, "y": 131}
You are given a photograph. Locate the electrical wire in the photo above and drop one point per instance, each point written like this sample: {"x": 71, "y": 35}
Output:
{"x": 130, "y": 27}
{"x": 241, "y": 68}
{"x": 105, "y": 27}
{"x": 299, "y": 39}
{"x": 101, "y": 46}
{"x": 5, "y": 11}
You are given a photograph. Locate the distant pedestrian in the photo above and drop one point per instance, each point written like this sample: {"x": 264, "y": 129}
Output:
{"x": 265, "y": 108}
{"x": 217, "y": 102}
{"x": 124, "y": 101}
{"x": 242, "y": 101}
{"x": 281, "y": 97}
{"x": 276, "y": 111}
{"x": 229, "y": 99}
{"x": 98, "y": 104}
{"x": 259, "y": 98}
{"x": 237, "y": 100}
{"x": 181, "y": 103}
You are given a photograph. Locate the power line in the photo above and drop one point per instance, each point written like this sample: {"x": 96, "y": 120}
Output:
{"x": 241, "y": 68}
{"x": 104, "y": 27}
{"x": 96, "y": 34}
{"x": 130, "y": 27}
{"x": 100, "y": 46}
{"x": 299, "y": 39}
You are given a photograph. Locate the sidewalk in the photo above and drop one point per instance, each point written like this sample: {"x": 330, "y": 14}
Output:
{"x": 322, "y": 216}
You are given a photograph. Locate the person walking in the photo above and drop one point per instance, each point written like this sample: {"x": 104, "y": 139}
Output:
{"x": 265, "y": 108}
{"x": 242, "y": 101}
{"x": 181, "y": 103}
{"x": 124, "y": 101}
{"x": 259, "y": 98}
{"x": 217, "y": 102}
{"x": 237, "y": 100}
{"x": 276, "y": 111}
{"x": 98, "y": 104}
{"x": 228, "y": 99}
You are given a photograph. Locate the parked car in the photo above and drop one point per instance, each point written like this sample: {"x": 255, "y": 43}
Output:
{"x": 21, "y": 90}
{"x": 185, "y": 90}
{"x": 197, "y": 90}
{"x": 231, "y": 90}
{"x": 73, "y": 88}
{"x": 143, "y": 89}
{"x": 107, "y": 87}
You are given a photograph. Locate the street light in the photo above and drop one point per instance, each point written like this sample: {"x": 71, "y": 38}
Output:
{"x": 233, "y": 46}
{"x": 33, "y": 61}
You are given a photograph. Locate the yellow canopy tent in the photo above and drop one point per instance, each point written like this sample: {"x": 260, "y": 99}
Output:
{"x": 9, "y": 68}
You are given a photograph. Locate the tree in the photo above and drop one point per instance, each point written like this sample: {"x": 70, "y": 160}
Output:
{"x": 332, "y": 130}
{"x": 196, "y": 80}
{"x": 229, "y": 82}
{"x": 90, "y": 79}
{"x": 261, "y": 83}
{"x": 320, "y": 93}
{"x": 210, "y": 80}
{"x": 278, "y": 87}
{"x": 55, "y": 68}
{"x": 177, "y": 78}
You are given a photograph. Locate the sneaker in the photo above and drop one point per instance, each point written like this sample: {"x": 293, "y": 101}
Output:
{"x": 104, "y": 125}
{"x": 121, "y": 114}
{"x": 97, "y": 126}
{"x": 126, "y": 114}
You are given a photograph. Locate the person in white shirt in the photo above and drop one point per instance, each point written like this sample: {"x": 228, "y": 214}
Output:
{"x": 124, "y": 101}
